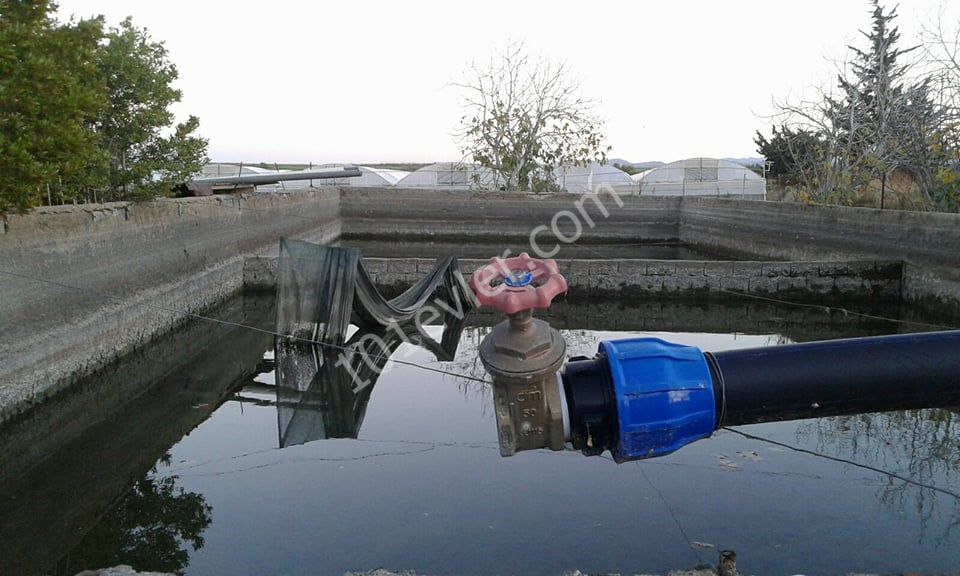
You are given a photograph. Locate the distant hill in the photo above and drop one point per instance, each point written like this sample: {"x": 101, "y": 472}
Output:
{"x": 649, "y": 164}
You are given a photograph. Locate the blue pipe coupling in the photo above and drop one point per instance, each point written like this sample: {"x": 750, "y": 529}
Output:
{"x": 639, "y": 398}
{"x": 664, "y": 394}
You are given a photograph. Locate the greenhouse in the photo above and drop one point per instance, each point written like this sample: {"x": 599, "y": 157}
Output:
{"x": 702, "y": 177}
{"x": 588, "y": 178}
{"x": 369, "y": 177}
{"x": 451, "y": 176}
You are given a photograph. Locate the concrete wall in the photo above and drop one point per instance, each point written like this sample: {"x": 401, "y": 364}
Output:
{"x": 137, "y": 267}
{"x": 469, "y": 215}
{"x": 624, "y": 278}
{"x": 928, "y": 242}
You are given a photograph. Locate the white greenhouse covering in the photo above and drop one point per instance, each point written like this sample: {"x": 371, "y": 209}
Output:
{"x": 451, "y": 176}
{"x": 703, "y": 177}
{"x": 369, "y": 177}
{"x": 588, "y": 178}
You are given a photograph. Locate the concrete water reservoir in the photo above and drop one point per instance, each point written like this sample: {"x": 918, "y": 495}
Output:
{"x": 90, "y": 288}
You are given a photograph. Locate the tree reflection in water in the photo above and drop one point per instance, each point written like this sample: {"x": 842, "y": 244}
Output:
{"x": 148, "y": 529}
{"x": 923, "y": 445}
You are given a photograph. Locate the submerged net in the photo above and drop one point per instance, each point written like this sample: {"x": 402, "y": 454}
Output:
{"x": 323, "y": 289}
{"x": 323, "y": 393}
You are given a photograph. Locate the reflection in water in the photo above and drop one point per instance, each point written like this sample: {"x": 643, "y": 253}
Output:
{"x": 323, "y": 393}
{"x": 67, "y": 466}
{"x": 923, "y": 445}
{"x": 150, "y": 527}
{"x": 770, "y": 505}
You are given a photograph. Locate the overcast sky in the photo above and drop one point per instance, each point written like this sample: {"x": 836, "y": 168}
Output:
{"x": 366, "y": 81}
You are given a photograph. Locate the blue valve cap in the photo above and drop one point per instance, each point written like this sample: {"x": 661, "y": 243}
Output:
{"x": 664, "y": 396}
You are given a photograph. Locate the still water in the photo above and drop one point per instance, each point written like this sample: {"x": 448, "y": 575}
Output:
{"x": 172, "y": 461}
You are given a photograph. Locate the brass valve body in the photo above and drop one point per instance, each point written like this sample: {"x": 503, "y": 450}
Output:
{"x": 523, "y": 356}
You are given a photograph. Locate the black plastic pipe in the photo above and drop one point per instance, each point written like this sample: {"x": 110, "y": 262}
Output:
{"x": 836, "y": 377}
{"x": 591, "y": 404}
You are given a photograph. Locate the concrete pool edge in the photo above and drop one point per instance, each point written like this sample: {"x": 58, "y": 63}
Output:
{"x": 877, "y": 280}
{"x": 926, "y": 242}
{"x": 85, "y": 285}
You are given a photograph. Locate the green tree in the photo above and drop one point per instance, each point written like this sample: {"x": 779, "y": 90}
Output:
{"x": 146, "y": 159}
{"x": 789, "y": 151}
{"x": 48, "y": 98}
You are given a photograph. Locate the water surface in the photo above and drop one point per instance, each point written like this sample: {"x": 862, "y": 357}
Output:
{"x": 185, "y": 472}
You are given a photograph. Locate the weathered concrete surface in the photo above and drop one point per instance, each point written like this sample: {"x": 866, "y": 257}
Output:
{"x": 717, "y": 316}
{"x": 928, "y": 242}
{"x": 458, "y": 215}
{"x": 655, "y": 250}
{"x": 139, "y": 267}
{"x": 666, "y": 311}
{"x": 879, "y": 281}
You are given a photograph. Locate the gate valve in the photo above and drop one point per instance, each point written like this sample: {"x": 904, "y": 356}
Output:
{"x": 523, "y": 354}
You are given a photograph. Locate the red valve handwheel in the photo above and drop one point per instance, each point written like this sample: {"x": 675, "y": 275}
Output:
{"x": 515, "y": 284}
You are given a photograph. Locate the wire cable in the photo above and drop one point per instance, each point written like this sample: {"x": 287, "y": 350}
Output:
{"x": 829, "y": 309}
{"x": 696, "y": 552}
{"x": 845, "y": 461}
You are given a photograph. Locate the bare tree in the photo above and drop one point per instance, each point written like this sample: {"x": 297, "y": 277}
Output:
{"x": 820, "y": 143}
{"x": 918, "y": 444}
{"x": 524, "y": 117}
{"x": 941, "y": 51}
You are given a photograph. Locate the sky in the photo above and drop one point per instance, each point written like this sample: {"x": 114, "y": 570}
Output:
{"x": 362, "y": 81}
